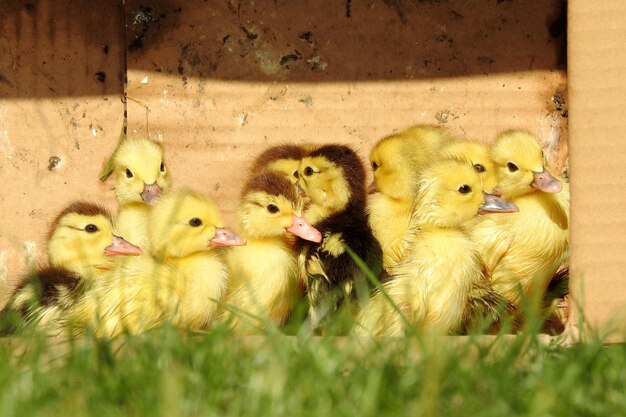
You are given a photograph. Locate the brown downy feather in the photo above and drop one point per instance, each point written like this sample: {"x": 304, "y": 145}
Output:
{"x": 46, "y": 289}
{"x": 83, "y": 208}
{"x": 272, "y": 184}
{"x": 485, "y": 307}
{"x": 284, "y": 151}
{"x": 51, "y": 282}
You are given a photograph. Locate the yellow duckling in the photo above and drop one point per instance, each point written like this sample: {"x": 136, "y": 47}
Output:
{"x": 433, "y": 286}
{"x": 333, "y": 177}
{"x": 284, "y": 159}
{"x": 397, "y": 162}
{"x": 140, "y": 178}
{"x": 180, "y": 284}
{"x": 524, "y": 250}
{"x": 264, "y": 273}
{"x": 80, "y": 245}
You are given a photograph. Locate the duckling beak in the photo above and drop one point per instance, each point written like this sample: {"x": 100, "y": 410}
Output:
{"x": 302, "y": 229}
{"x": 151, "y": 193}
{"x": 301, "y": 192}
{"x": 545, "y": 182}
{"x": 121, "y": 246}
{"x": 495, "y": 204}
{"x": 371, "y": 189}
{"x": 496, "y": 191}
{"x": 224, "y": 237}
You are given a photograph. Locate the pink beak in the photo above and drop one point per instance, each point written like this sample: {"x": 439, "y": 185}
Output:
{"x": 224, "y": 237}
{"x": 545, "y": 182}
{"x": 302, "y": 229}
{"x": 372, "y": 188}
{"x": 151, "y": 193}
{"x": 301, "y": 192}
{"x": 121, "y": 246}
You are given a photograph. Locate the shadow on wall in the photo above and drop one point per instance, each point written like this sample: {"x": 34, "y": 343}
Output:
{"x": 79, "y": 47}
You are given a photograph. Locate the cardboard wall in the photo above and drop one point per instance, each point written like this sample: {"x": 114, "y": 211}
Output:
{"x": 217, "y": 82}
{"x": 217, "y": 85}
{"x": 597, "y": 63}
{"x": 61, "y": 88}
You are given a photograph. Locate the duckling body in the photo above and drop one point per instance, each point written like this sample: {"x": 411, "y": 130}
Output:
{"x": 389, "y": 219}
{"x": 140, "y": 178}
{"x": 264, "y": 273}
{"x": 180, "y": 283}
{"x": 442, "y": 271}
{"x": 143, "y": 293}
{"x": 524, "y": 250}
{"x": 397, "y": 162}
{"x": 269, "y": 289}
{"x": 333, "y": 178}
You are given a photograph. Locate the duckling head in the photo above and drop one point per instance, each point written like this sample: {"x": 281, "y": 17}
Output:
{"x": 140, "y": 173}
{"x": 82, "y": 237}
{"x": 397, "y": 160}
{"x": 451, "y": 193}
{"x": 520, "y": 166}
{"x": 271, "y": 207}
{"x": 479, "y": 156}
{"x": 333, "y": 176}
{"x": 284, "y": 159}
{"x": 394, "y": 175}
{"x": 185, "y": 222}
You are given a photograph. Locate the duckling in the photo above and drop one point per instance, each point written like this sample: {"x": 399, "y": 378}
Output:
{"x": 524, "y": 250}
{"x": 333, "y": 178}
{"x": 140, "y": 178}
{"x": 283, "y": 158}
{"x": 397, "y": 162}
{"x": 180, "y": 283}
{"x": 433, "y": 286}
{"x": 80, "y": 245}
{"x": 264, "y": 272}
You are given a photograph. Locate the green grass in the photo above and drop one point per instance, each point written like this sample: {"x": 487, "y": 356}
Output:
{"x": 170, "y": 373}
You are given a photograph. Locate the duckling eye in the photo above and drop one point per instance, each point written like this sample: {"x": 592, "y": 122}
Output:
{"x": 272, "y": 208}
{"x": 295, "y": 174}
{"x": 512, "y": 167}
{"x": 479, "y": 168}
{"x": 162, "y": 167}
{"x": 195, "y": 222}
{"x": 308, "y": 171}
{"x": 129, "y": 173}
{"x": 464, "y": 189}
{"x": 375, "y": 166}
{"x": 91, "y": 228}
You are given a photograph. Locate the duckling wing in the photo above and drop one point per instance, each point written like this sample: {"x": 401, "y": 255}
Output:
{"x": 129, "y": 299}
{"x": 39, "y": 300}
{"x": 332, "y": 275}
